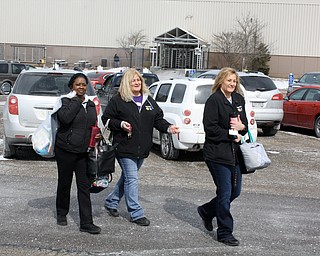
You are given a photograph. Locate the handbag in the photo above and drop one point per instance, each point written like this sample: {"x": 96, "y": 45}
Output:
{"x": 101, "y": 163}
{"x": 254, "y": 156}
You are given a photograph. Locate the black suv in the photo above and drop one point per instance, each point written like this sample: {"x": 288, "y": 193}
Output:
{"x": 112, "y": 82}
{"x": 8, "y": 74}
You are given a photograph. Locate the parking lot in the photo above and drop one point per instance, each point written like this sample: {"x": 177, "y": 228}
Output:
{"x": 278, "y": 212}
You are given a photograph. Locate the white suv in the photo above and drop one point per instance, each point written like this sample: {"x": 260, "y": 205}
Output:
{"x": 264, "y": 97}
{"x": 182, "y": 101}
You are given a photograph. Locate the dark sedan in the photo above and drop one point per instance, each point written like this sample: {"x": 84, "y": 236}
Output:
{"x": 302, "y": 108}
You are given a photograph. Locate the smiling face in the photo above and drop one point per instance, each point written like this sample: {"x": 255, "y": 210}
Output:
{"x": 229, "y": 85}
{"x": 79, "y": 86}
{"x": 136, "y": 85}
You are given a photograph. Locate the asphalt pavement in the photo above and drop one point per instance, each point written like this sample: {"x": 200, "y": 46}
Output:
{"x": 278, "y": 212}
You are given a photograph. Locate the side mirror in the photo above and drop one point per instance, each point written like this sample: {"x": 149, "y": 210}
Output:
{"x": 286, "y": 98}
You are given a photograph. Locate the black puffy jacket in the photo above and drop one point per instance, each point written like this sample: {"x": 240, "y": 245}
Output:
{"x": 218, "y": 146}
{"x": 75, "y": 123}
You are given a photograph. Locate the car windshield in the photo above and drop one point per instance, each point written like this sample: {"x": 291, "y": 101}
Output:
{"x": 50, "y": 84}
{"x": 257, "y": 83}
{"x": 310, "y": 79}
{"x": 202, "y": 93}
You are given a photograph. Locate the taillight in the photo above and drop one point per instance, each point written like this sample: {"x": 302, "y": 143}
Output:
{"x": 252, "y": 113}
{"x": 187, "y": 112}
{"x": 13, "y": 105}
{"x": 187, "y": 120}
{"x": 98, "y": 106}
{"x": 278, "y": 96}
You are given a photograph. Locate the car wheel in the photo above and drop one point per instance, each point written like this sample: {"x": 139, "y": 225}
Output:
{"x": 269, "y": 131}
{"x": 317, "y": 126}
{"x": 8, "y": 151}
{"x": 166, "y": 147}
{"x": 5, "y": 88}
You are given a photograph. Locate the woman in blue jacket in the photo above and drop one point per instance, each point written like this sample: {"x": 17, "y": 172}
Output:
{"x": 131, "y": 115}
{"x": 225, "y": 123}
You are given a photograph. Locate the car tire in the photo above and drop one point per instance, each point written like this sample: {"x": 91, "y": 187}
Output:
{"x": 5, "y": 88}
{"x": 166, "y": 147}
{"x": 269, "y": 131}
{"x": 8, "y": 151}
{"x": 317, "y": 126}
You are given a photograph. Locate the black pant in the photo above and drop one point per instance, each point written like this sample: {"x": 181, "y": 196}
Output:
{"x": 68, "y": 163}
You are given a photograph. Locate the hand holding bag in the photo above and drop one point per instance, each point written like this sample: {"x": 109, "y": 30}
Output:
{"x": 254, "y": 155}
{"x": 101, "y": 163}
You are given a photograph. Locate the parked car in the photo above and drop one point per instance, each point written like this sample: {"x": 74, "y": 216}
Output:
{"x": 32, "y": 98}
{"x": 182, "y": 101}
{"x": 302, "y": 108}
{"x": 9, "y": 72}
{"x": 264, "y": 97}
{"x": 97, "y": 77}
{"x": 310, "y": 78}
{"x": 112, "y": 83}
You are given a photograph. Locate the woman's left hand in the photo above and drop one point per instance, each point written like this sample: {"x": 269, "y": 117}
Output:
{"x": 236, "y": 124}
{"x": 174, "y": 129}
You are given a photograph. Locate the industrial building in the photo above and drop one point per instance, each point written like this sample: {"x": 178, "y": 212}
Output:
{"x": 179, "y": 33}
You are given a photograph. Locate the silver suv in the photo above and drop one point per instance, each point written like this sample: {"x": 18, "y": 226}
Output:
{"x": 182, "y": 101}
{"x": 31, "y": 100}
{"x": 264, "y": 97}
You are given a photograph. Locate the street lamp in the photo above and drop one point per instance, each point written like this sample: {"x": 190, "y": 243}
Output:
{"x": 131, "y": 47}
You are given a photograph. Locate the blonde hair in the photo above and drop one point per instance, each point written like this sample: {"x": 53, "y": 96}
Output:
{"x": 222, "y": 75}
{"x": 125, "y": 85}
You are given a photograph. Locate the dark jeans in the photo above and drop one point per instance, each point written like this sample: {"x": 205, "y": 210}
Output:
{"x": 67, "y": 164}
{"x": 228, "y": 183}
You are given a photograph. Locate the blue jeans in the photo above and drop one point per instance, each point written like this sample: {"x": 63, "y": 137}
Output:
{"x": 127, "y": 185}
{"x": 228, "y": 181}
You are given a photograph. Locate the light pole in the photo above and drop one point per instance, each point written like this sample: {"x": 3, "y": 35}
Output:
{"x": 131, "y": 47}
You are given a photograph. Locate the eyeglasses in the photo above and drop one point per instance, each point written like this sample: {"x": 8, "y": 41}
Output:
{"x": 79, "y": 84}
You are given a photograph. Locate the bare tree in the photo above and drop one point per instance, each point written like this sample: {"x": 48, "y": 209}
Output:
{"x": 226, "y": 42}
{"x": 244, "y": 47}
{"x": 134, "y": 39}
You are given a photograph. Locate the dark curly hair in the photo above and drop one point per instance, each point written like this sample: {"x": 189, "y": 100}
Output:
{"x": 75, "y": 76}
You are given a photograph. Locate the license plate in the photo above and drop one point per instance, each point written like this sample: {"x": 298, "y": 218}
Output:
{"x": 257, "y": 104}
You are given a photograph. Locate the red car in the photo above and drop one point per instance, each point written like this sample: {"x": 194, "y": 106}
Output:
{"x": 302, "y": 108}
{"x": 97, "y": 77}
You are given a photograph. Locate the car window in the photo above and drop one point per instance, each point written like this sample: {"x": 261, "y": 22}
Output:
{"x": 54, "y": 84}
{"x": 257, "y": 83}
{"x": 93, "y": 75}
{"x": 4, "y": 68}
{"x": 163, "y": 93}
{"x": 310, "y": 79}
{"x": 297, "y": 95}
{"x": 312, "y": 95}
{"x": 202, "y": 93}
{"x": 152, "y": 89}
{"x": 150, "y": 79}
{"x": 178, "y": 93}
{"x": 17, "y": 68}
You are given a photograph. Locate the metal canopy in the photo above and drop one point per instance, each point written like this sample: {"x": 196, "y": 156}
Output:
{"x": 179, "y": 36}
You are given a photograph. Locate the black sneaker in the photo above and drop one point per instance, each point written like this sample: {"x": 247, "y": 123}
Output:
{"x": 230, "y": 241}
{"x": 112, "y": 212}
{"x": 90, "y": 228}
{"x": 62, "y": 220}
{"x": 142, "y": 221}
{"x": 206, "y": 222}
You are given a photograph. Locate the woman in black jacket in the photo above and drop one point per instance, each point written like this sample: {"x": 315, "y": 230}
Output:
{"x": 76, "y": 116}
{"x": 131, "y": 115}
{"x": 225, "y": 123}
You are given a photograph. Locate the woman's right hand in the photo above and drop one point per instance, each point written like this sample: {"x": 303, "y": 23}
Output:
{"x": 126, "y": 126}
